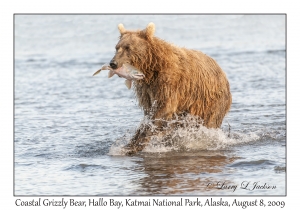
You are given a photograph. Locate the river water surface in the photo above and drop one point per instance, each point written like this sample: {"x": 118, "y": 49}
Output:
{"x": 70, "y": 126}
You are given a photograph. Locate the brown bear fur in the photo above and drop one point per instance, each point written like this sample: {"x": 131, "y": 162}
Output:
{"x": 177, "y": 81}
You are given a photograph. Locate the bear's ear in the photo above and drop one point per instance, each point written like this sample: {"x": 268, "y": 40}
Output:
{"x": 121, "y": 28}
{"x": 149, "y": 31}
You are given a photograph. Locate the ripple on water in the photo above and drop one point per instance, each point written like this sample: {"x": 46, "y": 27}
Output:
{"x": 253, "y": 163}
{"x": 83, "y": 166}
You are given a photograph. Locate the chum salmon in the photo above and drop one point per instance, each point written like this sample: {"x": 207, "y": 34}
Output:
{"x": 127, "y": 71}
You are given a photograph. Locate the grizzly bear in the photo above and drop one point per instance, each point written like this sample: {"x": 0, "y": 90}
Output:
{"x": 178, "y": 81}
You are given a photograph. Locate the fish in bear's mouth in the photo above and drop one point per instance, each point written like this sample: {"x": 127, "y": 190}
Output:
{"x": 127, "y": 71}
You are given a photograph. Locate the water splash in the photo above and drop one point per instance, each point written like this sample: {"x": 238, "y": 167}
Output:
{"x": 190, "y": 135}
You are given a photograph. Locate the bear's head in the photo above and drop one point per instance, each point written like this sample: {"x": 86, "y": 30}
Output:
{"x": 134, "y": 48}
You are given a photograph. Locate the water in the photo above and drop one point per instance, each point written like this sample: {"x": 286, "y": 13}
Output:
{"x": 70, "y": 126}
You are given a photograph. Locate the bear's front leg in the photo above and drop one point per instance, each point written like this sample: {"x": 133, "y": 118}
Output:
{"x": 139, "y": 141}
{"x": 143, "y": 135}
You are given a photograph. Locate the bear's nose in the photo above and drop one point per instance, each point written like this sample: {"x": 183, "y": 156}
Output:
{"x": 113, "y": 64}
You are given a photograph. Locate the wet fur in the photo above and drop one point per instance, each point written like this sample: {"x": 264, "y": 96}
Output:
{"x": 177, "y": 81}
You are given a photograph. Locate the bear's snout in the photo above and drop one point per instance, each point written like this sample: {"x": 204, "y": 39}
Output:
{"x": 113, "y": 64}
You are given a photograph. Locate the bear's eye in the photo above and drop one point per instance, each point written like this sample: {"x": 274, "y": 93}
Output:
{"x": 127, "y": 47}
